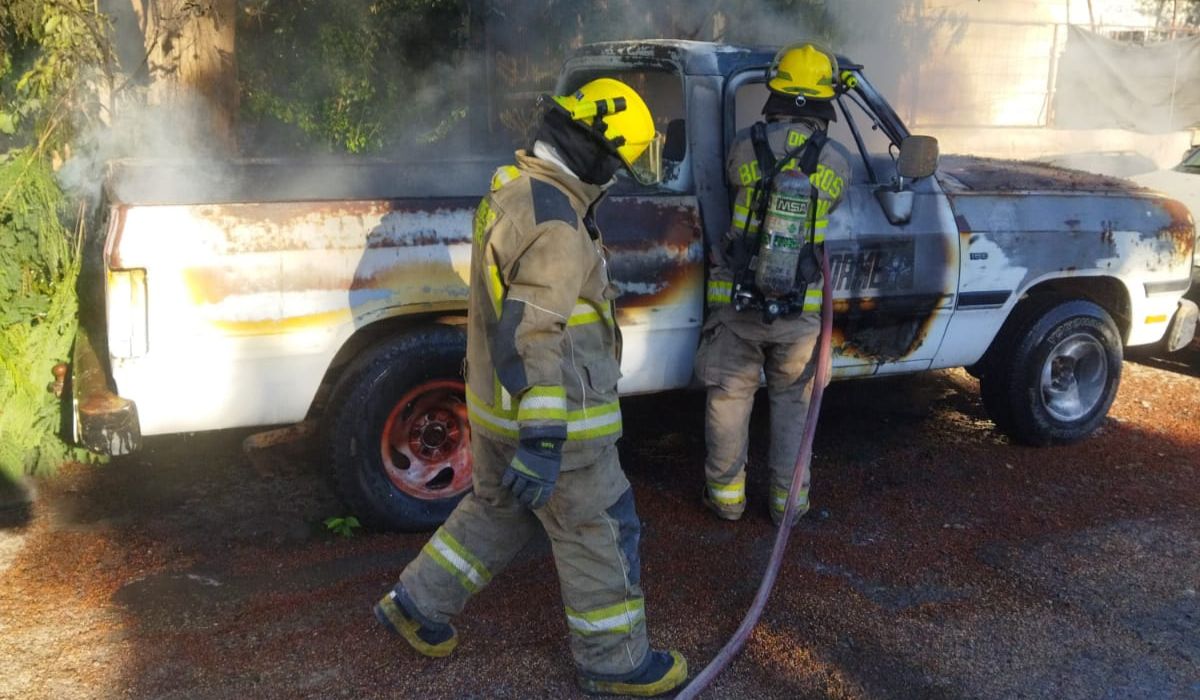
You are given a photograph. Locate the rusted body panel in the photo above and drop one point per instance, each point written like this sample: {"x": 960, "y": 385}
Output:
{"x": 104, "y": 422}
{"x": 893, "y": 287}
{"x": 1087, "y": 226}
{"x": 275, "y": 289}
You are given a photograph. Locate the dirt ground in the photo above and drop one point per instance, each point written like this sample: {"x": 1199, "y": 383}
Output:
{"x": 940, "y": 562}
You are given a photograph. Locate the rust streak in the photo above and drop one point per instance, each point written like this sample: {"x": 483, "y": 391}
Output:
{"x": 1181, "y": 232}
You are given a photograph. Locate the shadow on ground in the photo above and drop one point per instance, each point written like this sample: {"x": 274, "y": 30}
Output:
{"x": 939, "y": 561}
{"x": 1185, "y": 361}
{"x": 16, "y": 502}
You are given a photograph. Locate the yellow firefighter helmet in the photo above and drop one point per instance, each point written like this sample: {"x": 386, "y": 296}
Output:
{"x": 619, "y": 115}
{"x": 803, "y": 70}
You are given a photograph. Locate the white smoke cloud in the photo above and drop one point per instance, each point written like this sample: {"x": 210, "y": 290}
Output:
{"x": 899, "y": 43}
{"x": 177, "y": 136}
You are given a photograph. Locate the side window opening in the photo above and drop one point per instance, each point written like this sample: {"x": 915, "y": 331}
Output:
{"x": 663, "y": 92}
{"x": 1192, "y": 160}
{"x": 751, "y": 95}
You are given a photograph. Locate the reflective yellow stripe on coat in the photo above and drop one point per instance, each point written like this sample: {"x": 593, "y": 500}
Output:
{"x": 585, "y": 313}
{"x": 584, "y": 424}
{"x": 721, "y": 292}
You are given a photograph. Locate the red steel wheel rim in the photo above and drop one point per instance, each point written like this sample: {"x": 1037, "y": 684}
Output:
{"x": 426, "y": 443}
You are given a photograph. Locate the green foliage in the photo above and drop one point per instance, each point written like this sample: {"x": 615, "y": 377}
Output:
{"x": 373, "y": 76}
{"x": 34, "y": 245}
{"x": 53, "y": 53}
{"x": 342, "y": 526}
{"x": 38, "y": 266}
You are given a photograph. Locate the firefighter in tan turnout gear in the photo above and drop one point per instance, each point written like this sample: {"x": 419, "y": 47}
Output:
{"x": 542, "y": 370}
{"x": 738, "y": 346}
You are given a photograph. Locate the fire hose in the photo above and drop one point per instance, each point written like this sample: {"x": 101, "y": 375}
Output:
{"x": 738, "y": 640}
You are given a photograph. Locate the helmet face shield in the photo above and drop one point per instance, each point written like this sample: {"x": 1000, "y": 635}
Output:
{"x": 647, "y": 167}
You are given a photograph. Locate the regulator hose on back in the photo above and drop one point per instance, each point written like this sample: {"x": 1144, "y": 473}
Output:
{"x": 738, "y": 640}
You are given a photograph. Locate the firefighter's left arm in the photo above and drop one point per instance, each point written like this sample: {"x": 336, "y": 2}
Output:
{"x": 542, "y": 284}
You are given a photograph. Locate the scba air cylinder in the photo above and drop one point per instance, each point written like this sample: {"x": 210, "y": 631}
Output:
{"x": 785, "y": 231}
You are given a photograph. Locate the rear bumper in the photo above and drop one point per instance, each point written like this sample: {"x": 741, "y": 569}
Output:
{"x": 104, "y": 422}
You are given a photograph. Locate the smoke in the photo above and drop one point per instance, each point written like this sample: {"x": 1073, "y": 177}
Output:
{"x": 972, "y": 84}
{"x": 979, "y": 76}
{"x": 176, "y": 136}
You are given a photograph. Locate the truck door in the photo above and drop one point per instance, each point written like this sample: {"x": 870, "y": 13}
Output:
{"x": 654, "y": 245}
{"x": 893, "y": 285}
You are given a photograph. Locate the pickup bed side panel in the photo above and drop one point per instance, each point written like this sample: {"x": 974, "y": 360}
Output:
{"x": 248, "y": 303}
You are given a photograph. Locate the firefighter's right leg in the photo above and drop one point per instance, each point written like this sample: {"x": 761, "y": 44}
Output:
{"x": 731, "y": 368}
{"x": 790, "y": 369}
{"x": 476, "y": 542}
{"x": 594, "y": 531}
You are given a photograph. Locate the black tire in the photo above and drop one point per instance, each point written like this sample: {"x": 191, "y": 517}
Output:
{"x": 993, "y": 375}
{"x": 367, "y": 399}
{"x": 1053, "y": 376}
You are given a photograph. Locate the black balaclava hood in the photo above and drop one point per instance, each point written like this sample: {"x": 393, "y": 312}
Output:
{"x": 579, "y": 147}
{"x": 785, "y": 107}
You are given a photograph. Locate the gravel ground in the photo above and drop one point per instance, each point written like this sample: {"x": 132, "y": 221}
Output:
{"x": 940, "y": 561}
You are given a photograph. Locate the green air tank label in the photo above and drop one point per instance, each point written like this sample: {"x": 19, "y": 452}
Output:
{"x": 779, "y": 242}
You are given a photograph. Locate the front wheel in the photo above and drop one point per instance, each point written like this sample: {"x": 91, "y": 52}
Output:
{"x": 1057, "y": 376}
{"x": 397, "y": 432}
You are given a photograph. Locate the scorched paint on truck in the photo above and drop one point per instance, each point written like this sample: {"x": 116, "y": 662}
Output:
{"x": 245, "y": 298}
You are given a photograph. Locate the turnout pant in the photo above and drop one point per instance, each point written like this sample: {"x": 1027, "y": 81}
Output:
{"x": 593, "y": 530}
{"x": 731, "y": 362}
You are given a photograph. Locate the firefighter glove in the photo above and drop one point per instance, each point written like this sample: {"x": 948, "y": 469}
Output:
{"x": 534, "y": 469}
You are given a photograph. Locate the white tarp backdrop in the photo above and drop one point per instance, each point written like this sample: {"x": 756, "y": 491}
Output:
{"x": 1103, "y": 83}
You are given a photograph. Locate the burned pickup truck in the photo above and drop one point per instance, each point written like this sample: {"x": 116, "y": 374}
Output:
{"x": 251, "y": 302}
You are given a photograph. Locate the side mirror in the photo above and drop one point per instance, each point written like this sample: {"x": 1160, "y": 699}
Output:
{"x": 918, "y": 157}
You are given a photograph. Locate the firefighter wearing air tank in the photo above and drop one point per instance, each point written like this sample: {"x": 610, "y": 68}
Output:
{"x": 542, "y": 368}
{"x": 764, "y": 286}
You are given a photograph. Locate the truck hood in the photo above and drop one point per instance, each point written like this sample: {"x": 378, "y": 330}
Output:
{"x": 972, "y": 174}
{"x": 1046, "y": 218}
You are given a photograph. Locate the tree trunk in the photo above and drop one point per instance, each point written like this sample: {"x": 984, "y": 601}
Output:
{"x": 190, "y": 47}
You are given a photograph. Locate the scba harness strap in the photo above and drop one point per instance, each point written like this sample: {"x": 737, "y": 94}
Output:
{"x": 745, "y": 247}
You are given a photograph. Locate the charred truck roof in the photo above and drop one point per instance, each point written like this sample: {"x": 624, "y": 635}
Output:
{"x": 691, "y": 57}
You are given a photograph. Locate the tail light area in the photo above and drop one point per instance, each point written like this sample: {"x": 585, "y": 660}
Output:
{"x": 126, "y": 312}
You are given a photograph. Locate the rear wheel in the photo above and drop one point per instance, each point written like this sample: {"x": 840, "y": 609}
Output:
{"x": 1054, "y": 379}
{"x": 397, "y": 432}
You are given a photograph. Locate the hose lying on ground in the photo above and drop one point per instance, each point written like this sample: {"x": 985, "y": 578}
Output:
{"x": 738, "y": 640}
